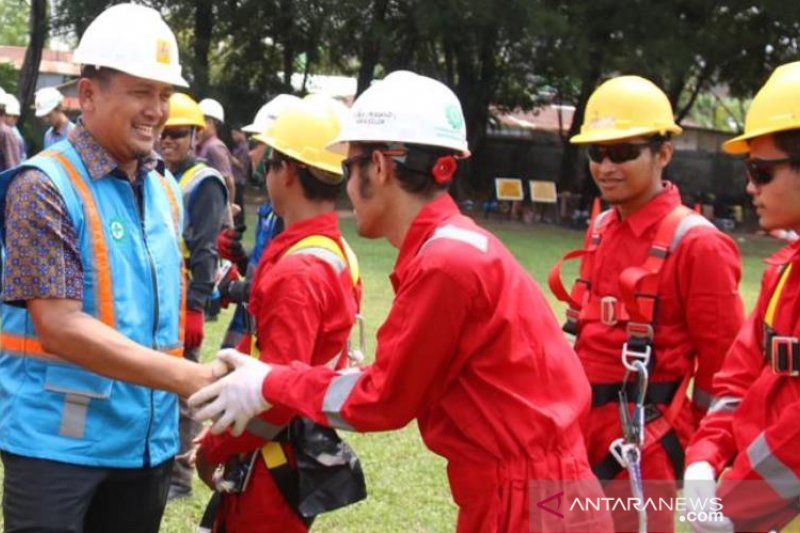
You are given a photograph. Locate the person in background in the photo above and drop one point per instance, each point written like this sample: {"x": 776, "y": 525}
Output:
{"x": 205, "y": 206}
{"x": 48, "y": 103}
{"x": 242, "y": 170}
{"x": 12, "y": 118}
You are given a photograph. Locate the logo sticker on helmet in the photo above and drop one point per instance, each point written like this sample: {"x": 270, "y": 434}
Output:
{"x": 163, "y": 51}
{"x": 454, "y": 117}
{"x": 117, "y": 230}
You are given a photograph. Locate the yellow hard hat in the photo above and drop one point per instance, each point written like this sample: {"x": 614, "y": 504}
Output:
{"x": 623, "y": 107}
{"x": 184, "y": 111}
{"x": 305, "y": 128}
{"x": 776, "y": 107}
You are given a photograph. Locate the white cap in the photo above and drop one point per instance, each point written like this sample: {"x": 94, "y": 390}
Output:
{"x": 133, "y": 39}
{"x": 406, "y": 108}
{"x": 268, "y": 112}
{"x": 12, "y": 104}
{"x": 47, "y": 99}
{"x": 212, "y": 108}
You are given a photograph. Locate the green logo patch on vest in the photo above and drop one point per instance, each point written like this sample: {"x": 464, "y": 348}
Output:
{"x": 117, "y": 230}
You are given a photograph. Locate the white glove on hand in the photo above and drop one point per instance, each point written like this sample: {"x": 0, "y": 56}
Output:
{"x": 236, "y": 398}
{"x": 700, "y": 491}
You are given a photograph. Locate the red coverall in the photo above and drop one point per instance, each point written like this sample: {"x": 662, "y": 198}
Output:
{"x": 698, "y": 315}
{"x": 754, "y": 421}
{"x": 304, "y": 311}
{"x": 472, "y": 351}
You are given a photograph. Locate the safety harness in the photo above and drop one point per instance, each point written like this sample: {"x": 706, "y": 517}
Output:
{"x": 782, "y": 352}
{"x": 635, "y": 310}
{"x": 301, "y": 432}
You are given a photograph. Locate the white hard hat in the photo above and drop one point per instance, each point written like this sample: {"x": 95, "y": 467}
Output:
{"x": 406, "y": 108}
{"x": 212, "y": 108}
{"x": 133, "y": 39}
{"x": 268, "y": 112}
{"x": 12, "y": 104}
{"x": 47, "y": 99}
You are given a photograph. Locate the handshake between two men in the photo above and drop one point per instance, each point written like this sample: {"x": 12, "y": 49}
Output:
{"x": 236, "y": 397}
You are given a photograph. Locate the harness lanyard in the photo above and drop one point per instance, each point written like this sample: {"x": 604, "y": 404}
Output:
{"x": 627, "y": 450}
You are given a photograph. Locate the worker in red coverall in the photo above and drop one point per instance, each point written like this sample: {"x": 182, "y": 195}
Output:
{"x": 304, "y": 299}
{"x": 753, "y": 424}
{"x": 470, "y": 348}
{"x": 627, "y": 129}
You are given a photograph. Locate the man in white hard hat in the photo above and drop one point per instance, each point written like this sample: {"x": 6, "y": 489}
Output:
{"x": 470, "y": 348}
{"x": 212, "y": 149}
{"x": 48, "y": 104}
{"x": 12, "y": 118}
{"x": 93, "y": 299}
{"x": 9, "y": 145}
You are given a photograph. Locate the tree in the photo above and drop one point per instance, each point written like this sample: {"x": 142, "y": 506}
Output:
{"x": 14, "y": 16}
{"x": 29, "y": 73}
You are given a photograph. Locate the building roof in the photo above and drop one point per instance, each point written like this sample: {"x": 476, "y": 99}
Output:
{"x": 53, "y": 61}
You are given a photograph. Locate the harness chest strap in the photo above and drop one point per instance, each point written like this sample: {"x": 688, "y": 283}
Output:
{"x": 782, "y": 352}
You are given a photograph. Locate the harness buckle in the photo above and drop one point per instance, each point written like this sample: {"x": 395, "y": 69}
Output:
{"x": 782, "y": 355}
{"x": 631, "y": 354}
{"x": 608, "y": 310}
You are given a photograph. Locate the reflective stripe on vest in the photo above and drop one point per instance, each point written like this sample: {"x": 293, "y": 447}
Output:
{"x": 176, "y": 217}
{"x": 105, "y": 289}
{"x": 778, "y": 475}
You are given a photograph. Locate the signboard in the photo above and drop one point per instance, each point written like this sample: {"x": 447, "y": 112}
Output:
{"x": 508, "y": 189}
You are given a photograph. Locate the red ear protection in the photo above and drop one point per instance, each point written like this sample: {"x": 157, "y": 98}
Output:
{"x": 444, "y": 169}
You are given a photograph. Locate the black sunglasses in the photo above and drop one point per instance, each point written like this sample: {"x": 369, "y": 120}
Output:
{"x": 761, "y": 171}
{"x": 347, "y": 164}
{"x": 175, "y": 133}
{"x": 616, "y": 153}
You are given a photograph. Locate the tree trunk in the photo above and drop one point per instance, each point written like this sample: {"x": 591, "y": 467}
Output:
{"x": 29, "y": 73}
{"x": 203, "y": 28}
{"x": 568, "y": 174}
{"x": 371, "y": 50}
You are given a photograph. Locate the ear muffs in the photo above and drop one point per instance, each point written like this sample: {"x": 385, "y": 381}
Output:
{"x": 444, "y": 169}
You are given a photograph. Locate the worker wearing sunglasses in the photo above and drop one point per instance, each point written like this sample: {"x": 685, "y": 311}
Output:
{"x": 656, "y": 278}
{"x": 752, "y": 435}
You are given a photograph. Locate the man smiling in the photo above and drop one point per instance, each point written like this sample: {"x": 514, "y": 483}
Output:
{"x": 93, "y": 299}
{"x": 657, "y": 283}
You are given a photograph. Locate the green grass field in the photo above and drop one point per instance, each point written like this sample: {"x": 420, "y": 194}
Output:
{"x": 407, "y": 484}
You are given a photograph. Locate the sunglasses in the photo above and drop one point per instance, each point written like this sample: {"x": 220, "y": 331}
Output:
{"x": 347, "y": 164}
{"x": 616, "y": 153}
{"x": 175, "y": 134}
{"x": 761, "y": 171}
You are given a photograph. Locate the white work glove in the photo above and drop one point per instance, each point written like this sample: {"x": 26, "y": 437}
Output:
{"x": 235, "y": 398}
{"x": 700, "y": 491}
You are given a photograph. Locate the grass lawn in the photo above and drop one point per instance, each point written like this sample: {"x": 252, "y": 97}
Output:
{"x": 407, "y": 484}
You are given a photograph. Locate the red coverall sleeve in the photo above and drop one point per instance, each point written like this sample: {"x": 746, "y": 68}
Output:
{"x": 287, "y": 327}
{"x": 415, "y": 346}
{"x": 714, "y": 440}
{"x": 709, "y": 275}
{"x": 765, "y": 478}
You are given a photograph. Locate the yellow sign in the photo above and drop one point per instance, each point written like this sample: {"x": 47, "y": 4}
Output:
{"x": 163, "y": 52}
{"x": 508, "y": 189}
{"x": 543, "y": 192}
